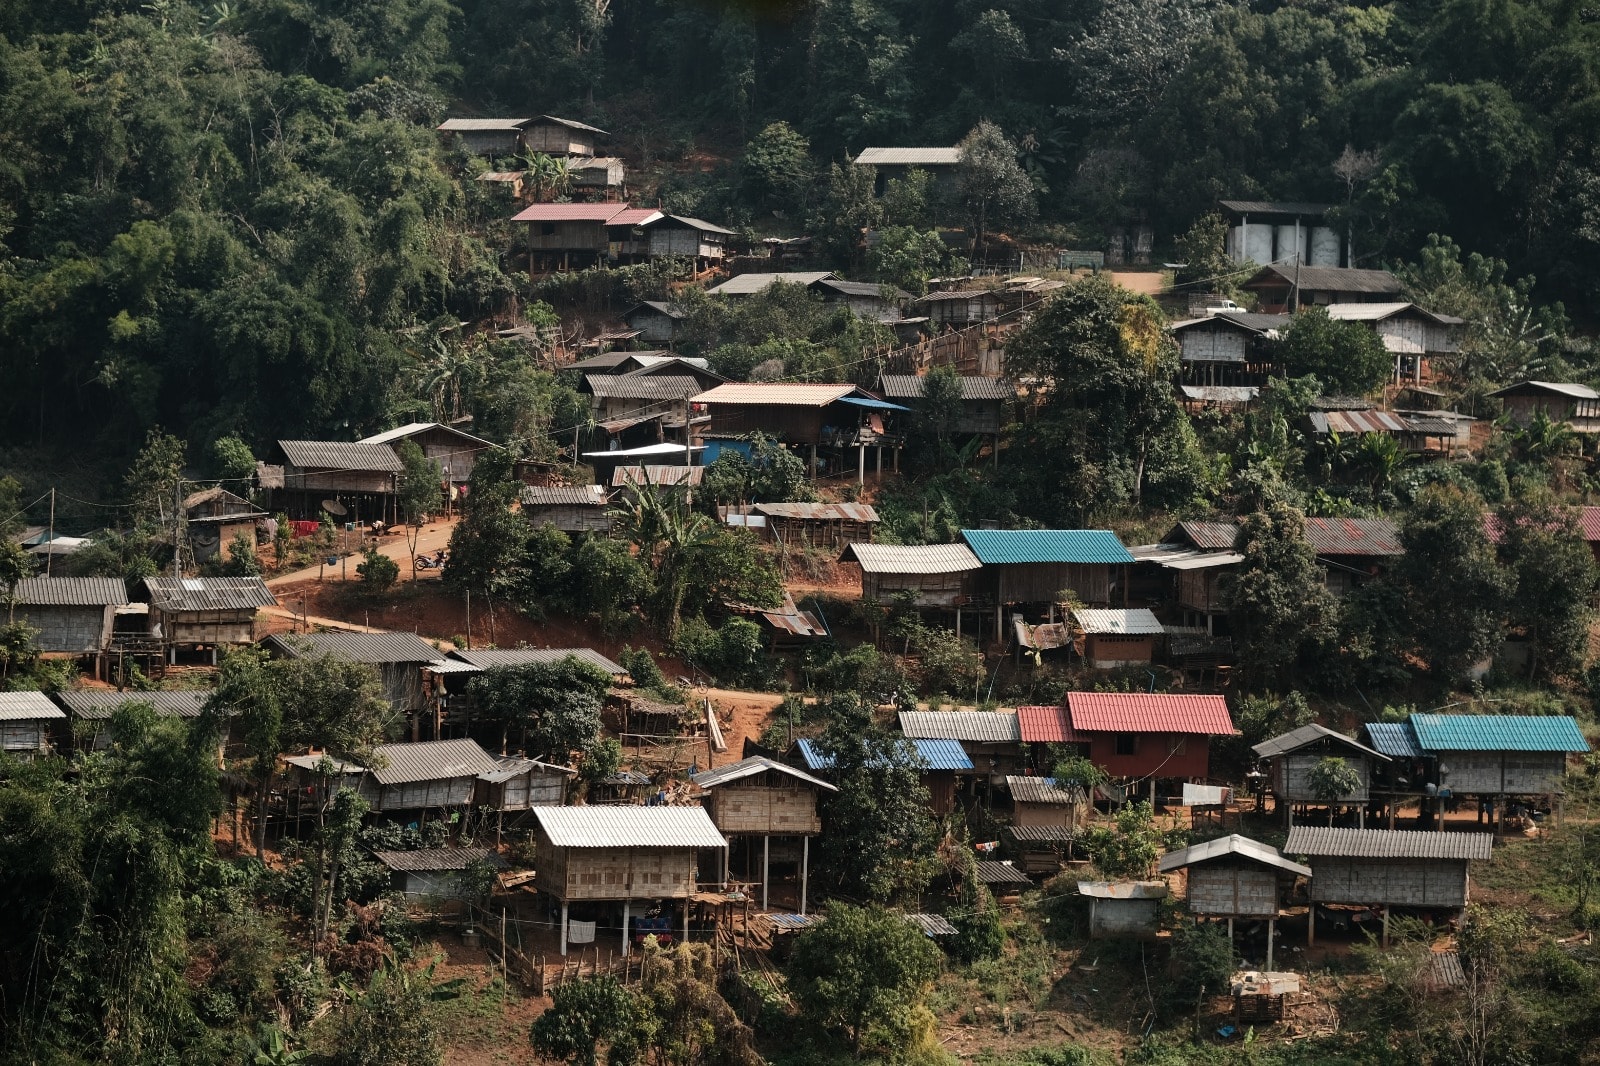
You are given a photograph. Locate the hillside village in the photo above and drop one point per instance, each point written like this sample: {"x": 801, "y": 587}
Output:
{"x": 496, "y": 589}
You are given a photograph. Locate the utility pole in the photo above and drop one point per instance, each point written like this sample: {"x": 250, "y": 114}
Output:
{"x": 50, "y": 553}
{"x": 688, "y": 456}
{"x": 177, "y": 527}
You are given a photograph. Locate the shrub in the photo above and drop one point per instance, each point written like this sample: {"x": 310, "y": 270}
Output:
{"x": 378, "y": 572}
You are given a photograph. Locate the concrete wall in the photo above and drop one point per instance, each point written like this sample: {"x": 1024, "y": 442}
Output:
{"x": 1122, "y": 917}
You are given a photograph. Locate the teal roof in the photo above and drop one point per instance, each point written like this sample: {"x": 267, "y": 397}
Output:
{"x": 1497, "y": 732}
{"x": 1394, "y": 738}
{"x": 1046, "y": 546}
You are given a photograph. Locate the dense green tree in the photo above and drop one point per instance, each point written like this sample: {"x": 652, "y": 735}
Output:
{"x": 420, "y": 491}
{"x": 1330, "y": 780}
{"x": 994, "y": 189}
{"x": 777, "y": 169}
{"x": 863, "y": 973}
{"x": 1454, "y": 589}
{"x": 1130, "y": 847}
{"x": 555, "y": 706}
{"x": 1552, "y": 581}
{"x": 393, "y": 1022}
{"x": 909, "y": 258}
{"x": 1347, "y": 357}
{"x": 1277, "y": 600}
{"x": 583, "y": 1015}
{"x": 613, "y": 579}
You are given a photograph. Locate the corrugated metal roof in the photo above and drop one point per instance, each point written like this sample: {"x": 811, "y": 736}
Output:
{"x": 412, "y": 429}
{"x": 756, "y": 764}
{"x": 1386, "y": 843}
{"x": 999, "y": 546}
{"x": 564, "y": 496}
{"x": 1442, "y": 969}
{"x": 1296, "y": 739}
{"x": 71, "y": 592}
{"x": 694, "y": 223}
{"x": 1123, "y": 889}
{"x": 1563, "y": 388}
{"x": 862, "y": 288}
{"x": 1220, "y": 393}
{"x": 911, "y": 558}
{"x": 958, "y": 294}
{"x": 910, "y": 387}
{"x": 1498, "y": 732}
{"x": 820, "y": 512}
{"x": 27, "y": 707}
{"x": 750, "y": 284}
{"x": 776, "y": 393}
{"x": 1042, "y": 834}
{"x": 604, "y": 214}
{"x": 1431, "y": 425}
{"x": 627, "y": 476}
{"x": 341, "y": 455}
{"x": 984, "y": 727}
{"x": 357, "y": 647}
{"x": 631, "y": 387}
{"x": 1232, "y": 845}
{"x": 1274, "y": 207}
{"x": 94, "y": 704}
{"x": 1201, "y": 561}
{"x": 1395, "y": 739}
{"x": 432, "y": 760}
{"x": 931, "y": 924}
{"x": 925, "y": 156}
{"x": 451, "y": 666}
{"x": 1044, "y": 790}
{"x": 438, "y": 860}
{"x": 1001, "y": 873}
{"x": 489, "y": 658}
{"x": 178, "y": 594}
{"x": 1047, "y": 725}
{"x": 1357, "y": 422}
{"x": 1132, "y": 622}
{"x": 933, "y": 752}
{"x": 571, "y": 124}
{"x": 1149, "y": 712}
{"x": 1353, "y": 536}
{"x": 796, "y": 623}
{"x": 1211, "y": 536}
{"x": 660, "y": 307}
{"x": 793, "y": 921}
{"x": 629, "y": 827}
{"x": 482, "y": 125}
{"x": 511, "y": 766}
{"x": 1328, "y": 279}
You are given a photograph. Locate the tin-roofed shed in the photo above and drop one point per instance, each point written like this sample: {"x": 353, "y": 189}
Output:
{"x": 432, "y": 774}
{"x": 1292, "y": 756}
{"x": 205, "y": 612}
{"x": 1236, "y": 877}
{"x": 1032, "y": 566}
{"x": 570, "y": 508}
{"x": 1123, "y": 908}
{"x": 27, "y": 720}
{"x": 397, "y": 658}
{"x": 991, "y": 739}
{"x": 937, "y": 575}
{"x": 438, "y": 873}
{"x": 73, "y": 615}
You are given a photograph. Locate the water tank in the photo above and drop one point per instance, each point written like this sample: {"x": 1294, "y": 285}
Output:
{"x": 1258, "y": 242}
{"x": 1291, "y": 245}
{"x": 1236, "y": 244}
{"x": 1325, "y": 247}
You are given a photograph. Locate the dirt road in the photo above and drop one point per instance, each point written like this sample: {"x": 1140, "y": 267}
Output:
{"x": 434, "y": 535}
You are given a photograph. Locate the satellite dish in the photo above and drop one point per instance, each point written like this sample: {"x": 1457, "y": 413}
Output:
{"x": 333, "y": 507}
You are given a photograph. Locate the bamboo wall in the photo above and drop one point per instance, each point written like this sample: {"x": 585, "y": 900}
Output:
{"x": 22, "y": 737}
{"x": 1040, "y": 582}
{"x": 448, "y": 792}
{"x": 1235, "y": 890}
{"x": 764, "y": 811}
{"x": 68, "y": 629}
{"x": 931, "y": 590}
{"x": 1496, "y": 772}
{"x": 1046, "y": 814}
{"x": 208, "y": 627}
{"x": 614, "y": 873}
{"x": 1402, "y": 882}
{"x": 1197, "y": 590}
{"x": 532, "y": 789}
{"x": 1291, "y": 775}
{"x": 570, "y": 518}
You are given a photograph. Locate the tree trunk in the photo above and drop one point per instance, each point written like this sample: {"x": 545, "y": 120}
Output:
{"x": 261, "y": 814}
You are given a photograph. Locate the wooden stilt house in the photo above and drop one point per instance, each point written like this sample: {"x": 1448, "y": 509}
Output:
{"x": 1292, "y": 757}
{"x": 1236, "y": 877}
{"x": 761, "y": 797}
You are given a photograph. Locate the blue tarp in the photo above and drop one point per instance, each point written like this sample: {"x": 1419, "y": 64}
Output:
{"x": 876, "y": 405}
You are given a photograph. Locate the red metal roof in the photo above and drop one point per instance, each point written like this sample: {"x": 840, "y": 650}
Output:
{"x": 1147, "y": 712}
{"x": 1587, "y": 521}
{"x": 1047, "y": 725}
{"x": 632, "y": 216}
{"x": 574, "y": 212}
{"x": 1353, "y": 536}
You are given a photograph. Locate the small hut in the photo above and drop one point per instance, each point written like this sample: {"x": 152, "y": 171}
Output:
{"x": 214, "y": 517}
{"x": 431, "y": 775}
{"x": 205, "y": 613}
{"x": 521, "y": 785}
{"x": 936, "y": 575}
{"x": 27, "y": 720}
{"x": 399, "y": 659}
{"x": 1115, "y": 637}
{"x": 941, "y": 761}
{"x": 1123, "y": 908}
{"x": 812, "y": 525}
{"x": 1387, "y": 868}
{"x": 95, "y": 706}
{"x": 73, "y": 615}
{"x": 438, "y": 873}
{"x": 622, "y": 855}
{"x": 1045, "y": 820}
{"x": 761, "y": 797}
{"x": 991, "y": 739}
{"x": 1292, "y": 756}
{"x": 570, "y": 508}
{"x": 1236, "y": 877}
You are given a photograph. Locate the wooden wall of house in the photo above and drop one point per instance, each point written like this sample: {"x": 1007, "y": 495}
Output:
{"x": 1046, "y": 814}
{"x": 1291, "y": 775}
{"x": 532, "y": 789}
{"x": 570, "y": 517}
{"x": 820, "y": 532}
{"x": 769, "y": 811}
{"x": 669, "y": 240}
{"x": 1039, "y": 582}
{"x": 979, "y": 416}
{"x": 790, "y": 424}
{"x": 1401, "y": 882}
{"x": 402, "y": 685}
{"x": 941, "y": 790}
{"x": 435, "y": 884}
{"x": 658, "y": 328}
{"x": 1168, "y": 755}
{"x": 489, "y": 142}
{"x": 569, "y": 236}
{"x": 931, "y": 590}
{"x": 1212, "y": 344}
{"x": 454, "y": 455}
{"x": 1416, "y": 333}
{"x": 207, "y": 627}
{"x": 21, "y": 737}
{"x": 415, "y": 795}
{"x": 1198, "y": 590}
{"x": 69, "y": 629}
{"x": 1512, "y": 772}
{"x": 555, "y": 139}
{"x": 1233, "y": 889}
{"x": 337, "y": 481}
{"x": 993, "y": 758}
{"x": 614, "y": 873}
{"x": 1108, "y": 650}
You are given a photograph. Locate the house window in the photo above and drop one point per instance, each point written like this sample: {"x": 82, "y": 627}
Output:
{"x": 1127, "y": 744}
{"x": 547, "y": 229}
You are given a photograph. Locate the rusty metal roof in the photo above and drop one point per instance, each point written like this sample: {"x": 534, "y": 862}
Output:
{"x": 438, "y": 860}
{"x": 1044, "y": 790}
{"x": 820, "y": 512}
{"x": 910, "y": 387}
{"x": 1322, "y": 841}
{"x": 1353, "y": 536}
{"x": 27, "y": 707}
{"x": 70, "y": 592}
{"x": 1001, "y": 873}
{"x": 1123, "y": 889}
{"x": 629, "y": 827}
{"x": 178, "y": 594}
{"x": 776, "y": 393}
{"x": 1211, "y": 536}
{"x": 376, "y": 648}
{"x": 93, "y": 704}
{"x": 1366, "y": 422}
{"x": 957, "y": 294}
{"x": 432, "y": 760}
{"x": 1149, "y": 712}
{"x": 911, "y": 558}
{"x": 1232, "y": 845}
{"x": 627, "y": 476}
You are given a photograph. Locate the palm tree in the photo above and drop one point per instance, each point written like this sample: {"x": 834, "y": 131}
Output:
{"x": 670, "y": 538}
{"x": 550, "y": 176}
{"x": 1544, "y": 438}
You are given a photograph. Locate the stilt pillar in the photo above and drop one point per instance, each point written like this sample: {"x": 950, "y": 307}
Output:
{"x": 625, "y": 941}
{"x": 805, "y": 871}
{"x": 563, "y": 928}
{"x": 766, "y": 857}
{"x": 1272, "y": 931}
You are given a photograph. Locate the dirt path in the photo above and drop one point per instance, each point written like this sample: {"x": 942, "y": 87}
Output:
{"x": 434, "y": 535}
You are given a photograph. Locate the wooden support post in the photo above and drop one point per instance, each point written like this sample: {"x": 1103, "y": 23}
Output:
{"x": 1311, "y": 924}
{"x": 1386, "y": 926}
{"x": 1361, "y": 816}
{"x": 563, "y": 929}
{"x": 880, "y": 462}
{"x": 1272, "y": 931}
{"x": 1393, "y": 803}
{"x": 861, "y": 464}
{"x": 805, "y": 871}
{"x": 625, "y": 929}
{"x": 686, "y": 900}
{"x": 766, "y": 856}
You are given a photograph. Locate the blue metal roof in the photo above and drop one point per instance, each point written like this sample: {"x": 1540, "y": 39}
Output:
{"x": 1497, "y": 732}
{"x": 935, "y": 754}
{"x": 1046, "y": 546}
{"x": 876, "y": 405}
{"x": 1394, "y": 739}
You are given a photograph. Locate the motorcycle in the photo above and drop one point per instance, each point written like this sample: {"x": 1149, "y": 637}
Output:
{"x": 435, "y": 561}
